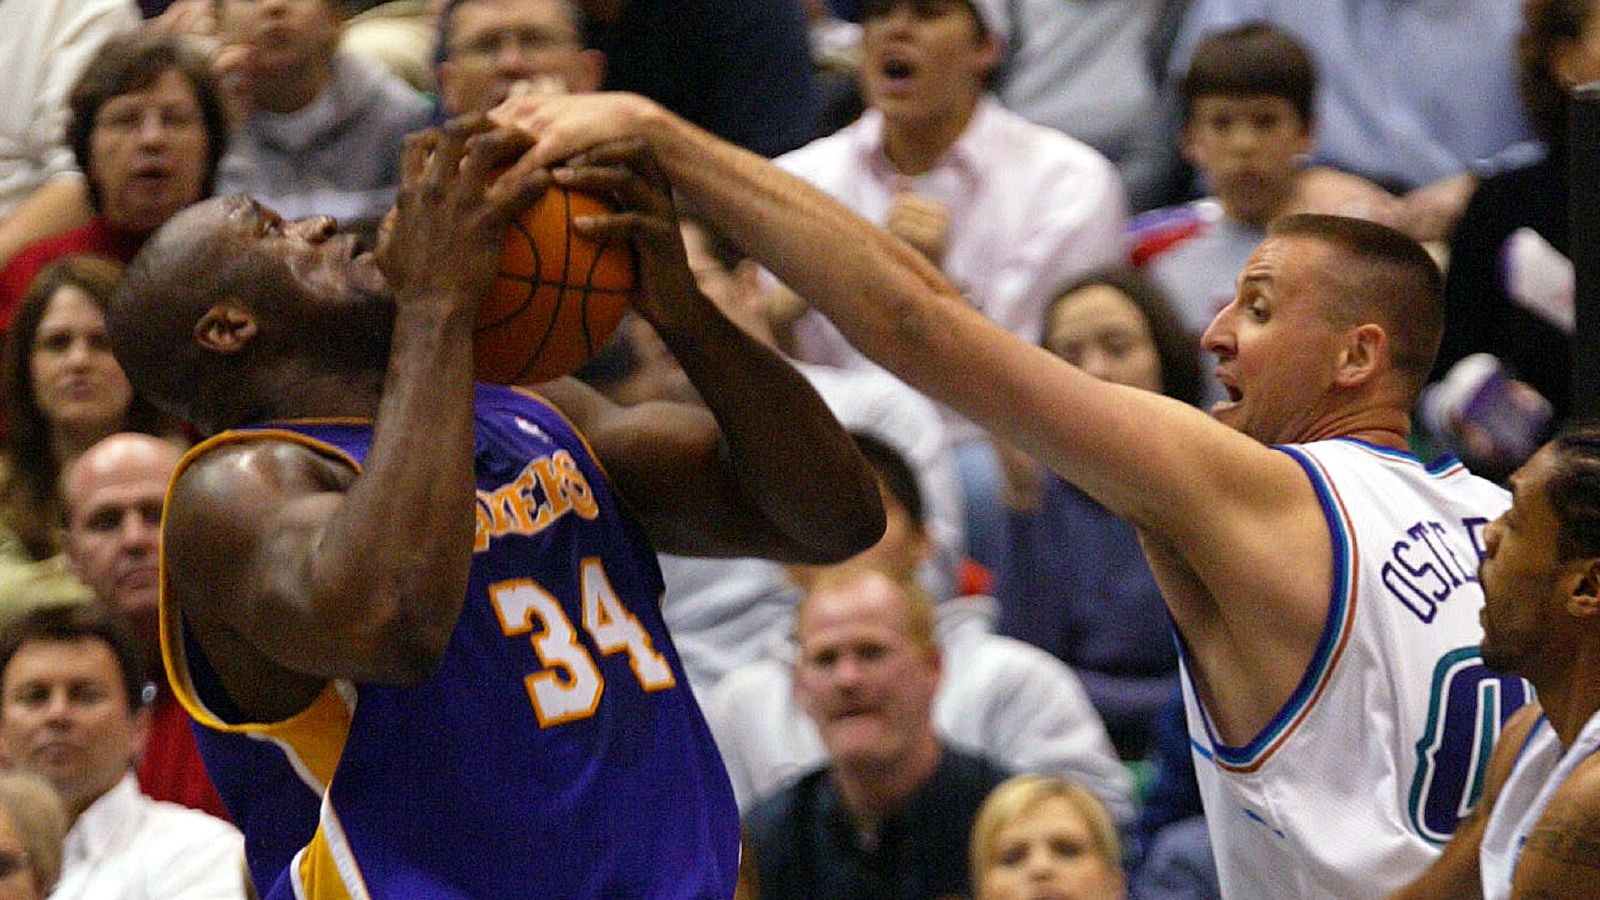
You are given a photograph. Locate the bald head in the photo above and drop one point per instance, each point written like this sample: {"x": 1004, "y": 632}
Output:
{"x": 114, "y": 494}
{"x": 188, "y": 264}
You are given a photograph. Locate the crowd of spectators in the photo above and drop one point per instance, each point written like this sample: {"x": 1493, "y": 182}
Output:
{"x": 1090, "y": 176}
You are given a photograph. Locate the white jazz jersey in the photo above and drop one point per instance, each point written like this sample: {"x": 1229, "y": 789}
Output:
{"x": 1541, "y": 767}
{"x": 1354, "y": 785}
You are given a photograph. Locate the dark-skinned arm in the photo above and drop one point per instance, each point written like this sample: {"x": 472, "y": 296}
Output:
{"x": 768, "y": 471}
{"x": 1562, "y": 855}
{"x": 317, "y": 573}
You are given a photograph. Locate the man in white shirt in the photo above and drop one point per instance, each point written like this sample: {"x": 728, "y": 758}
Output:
{"x": 1008, "y": 210}
{"x": 72, "y": 710}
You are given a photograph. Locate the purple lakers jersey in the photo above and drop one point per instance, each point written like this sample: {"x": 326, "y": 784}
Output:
{"x": 558, "y": 751}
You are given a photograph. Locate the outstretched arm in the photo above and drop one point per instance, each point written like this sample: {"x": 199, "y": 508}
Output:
{"x": 311, "y": 572}
{"x": 1165, "y": 466}
{"x": 767, "y": 471}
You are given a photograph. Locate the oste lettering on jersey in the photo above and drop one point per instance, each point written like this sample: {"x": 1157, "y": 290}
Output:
{"x": 547, "y": 489}
{"x": 1429, "y": 561}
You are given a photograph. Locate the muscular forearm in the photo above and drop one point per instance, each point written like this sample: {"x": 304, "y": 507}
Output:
{"x": 392, "y": 564}
{"x": 790, "y": 460}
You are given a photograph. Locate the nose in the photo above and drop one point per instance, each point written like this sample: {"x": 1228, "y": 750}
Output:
{"x": 138, "y": 533}
{"x": 79, "y": 352}
{"x": 1218, "y": 337}
{"x": 58, "y": 707}
{"x": 1491, "y": 536}
{"x": 315, "y": 229}
{"x": 511, "y": 56}
{"x": 151, "y": 129}
{"x": 1243, "y": 137}
{"x": 1096, "y": 362}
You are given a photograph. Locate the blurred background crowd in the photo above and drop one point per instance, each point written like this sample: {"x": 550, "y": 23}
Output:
{"x": 991, "y": 692}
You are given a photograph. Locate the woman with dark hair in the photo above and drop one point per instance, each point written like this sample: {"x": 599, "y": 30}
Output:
{"x": 63, "y": 392}
{"x": 1072, "y": 578}
{"x": 147, "y": 130}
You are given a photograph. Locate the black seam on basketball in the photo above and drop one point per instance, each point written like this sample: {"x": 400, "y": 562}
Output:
{"x": 561, "y": 288}
{"x": 532, "y": 280}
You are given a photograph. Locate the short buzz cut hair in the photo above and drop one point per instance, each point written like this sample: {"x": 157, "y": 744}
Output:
{"x": 69, "y": 623}
{"x": 1253, "y": 60}
{"x": 1394, "y": 283}
{"x": 447, "y": 22}
{"x": 919, "y": 605}
{"x": 894, "y": 473}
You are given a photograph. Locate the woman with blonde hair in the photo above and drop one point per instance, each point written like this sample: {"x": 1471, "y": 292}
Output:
{"x": 1045, "y": 835}
{"x": 33, "y": 824}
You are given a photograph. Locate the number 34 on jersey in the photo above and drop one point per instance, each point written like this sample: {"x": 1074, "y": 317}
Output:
{"x": 570, "y": 685}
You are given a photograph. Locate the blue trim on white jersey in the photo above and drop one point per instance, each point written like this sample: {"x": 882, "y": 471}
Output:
{"x": 1334, "y": 627}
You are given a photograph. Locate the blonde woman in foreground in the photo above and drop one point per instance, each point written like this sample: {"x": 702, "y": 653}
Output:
{"x": 1041, "y": 836}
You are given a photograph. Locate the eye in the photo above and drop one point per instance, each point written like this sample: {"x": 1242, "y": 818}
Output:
{"x": 87, "y": 693}
{"x": 1119, "y": 345}
{"x": 52, "y": 342}
{"x": 103, "y": 521}
{"x": 872, "y": 652}
{"x": 1066, "y": 848}
{"x": 32, "y": 694}
{"x": 1012, "y": 855}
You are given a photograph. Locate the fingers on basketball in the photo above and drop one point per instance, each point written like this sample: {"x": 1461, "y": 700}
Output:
{"x": 558, "y": 297}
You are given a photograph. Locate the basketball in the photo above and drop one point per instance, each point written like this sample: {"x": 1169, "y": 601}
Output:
{"x": 557, "y": 298}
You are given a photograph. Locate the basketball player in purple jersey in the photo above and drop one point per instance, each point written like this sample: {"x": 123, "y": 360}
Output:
{"x": 444, "y": 596}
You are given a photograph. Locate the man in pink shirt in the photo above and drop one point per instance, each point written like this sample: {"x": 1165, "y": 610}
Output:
{"x": 1010, "y": 211}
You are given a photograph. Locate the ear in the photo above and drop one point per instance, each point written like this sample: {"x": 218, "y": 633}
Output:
{"x": 989, "y": 55}
{"x": 802, "y": 696}
{"x": 1364, "y": 354}
{"x": 140, "y": 733}
{"x": 1583, "y": 601}
{"x": 1305, "y": 140}
{"x": 1563, "y": 61}
{"x": 444, "y": 73}
{"x": 227, "y": 327}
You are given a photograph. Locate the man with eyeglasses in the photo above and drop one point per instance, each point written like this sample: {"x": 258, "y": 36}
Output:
{"x": 491, "y": 49}
{"x": 147, "y": 130}
{"x": 73, "y": 710}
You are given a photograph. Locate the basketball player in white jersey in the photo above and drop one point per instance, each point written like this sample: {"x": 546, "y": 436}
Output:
{"x": 1325, "y": 591}
{"x": 1537, "y": 832}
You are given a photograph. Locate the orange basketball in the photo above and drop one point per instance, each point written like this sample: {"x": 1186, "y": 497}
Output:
{"x": 558, "y": 297}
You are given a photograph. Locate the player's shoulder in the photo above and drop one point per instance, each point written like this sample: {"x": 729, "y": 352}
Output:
{"x": 242, "y": 464}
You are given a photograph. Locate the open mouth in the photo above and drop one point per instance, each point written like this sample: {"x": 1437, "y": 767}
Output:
{"x": 897, "y": 69}
{"x": 150, "y": 173}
